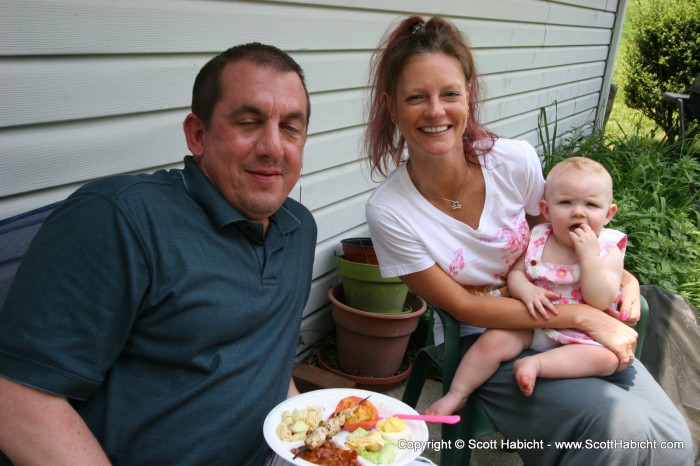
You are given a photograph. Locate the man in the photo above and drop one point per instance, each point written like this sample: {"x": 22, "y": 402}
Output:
{"x": 154, "y": 319}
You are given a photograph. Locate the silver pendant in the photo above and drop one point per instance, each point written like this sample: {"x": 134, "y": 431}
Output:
{"x": 456, "y": 205}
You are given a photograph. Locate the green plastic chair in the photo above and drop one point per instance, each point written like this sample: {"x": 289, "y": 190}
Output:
{"x": 475, "y": 422}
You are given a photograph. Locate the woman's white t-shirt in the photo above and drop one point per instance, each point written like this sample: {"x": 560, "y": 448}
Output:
{"x": 410, "y": 234}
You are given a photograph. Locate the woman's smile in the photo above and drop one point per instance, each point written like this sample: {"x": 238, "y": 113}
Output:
{"x": 435, "y": 129}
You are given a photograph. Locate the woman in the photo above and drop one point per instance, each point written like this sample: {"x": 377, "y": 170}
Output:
{"x": 451, "y": 221}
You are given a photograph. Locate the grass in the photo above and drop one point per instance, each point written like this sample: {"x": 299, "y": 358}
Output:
{"x": 625, "y": 121}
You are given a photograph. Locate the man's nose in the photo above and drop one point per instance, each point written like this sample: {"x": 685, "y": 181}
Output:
{"x": 270, "y": 141}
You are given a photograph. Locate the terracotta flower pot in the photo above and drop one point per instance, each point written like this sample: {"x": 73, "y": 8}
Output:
{"x": 371, "y": 344}
{"x": 327, "y": 360}
{"x": 359, "y": 250}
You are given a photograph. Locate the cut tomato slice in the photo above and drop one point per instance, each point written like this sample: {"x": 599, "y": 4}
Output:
{"x": 365, "y": 416}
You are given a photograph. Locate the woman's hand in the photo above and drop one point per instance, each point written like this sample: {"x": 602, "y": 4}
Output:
{"x": 630, "y": 303}
{"x": 611, "y": 333}
{"x": 617, "y": 334}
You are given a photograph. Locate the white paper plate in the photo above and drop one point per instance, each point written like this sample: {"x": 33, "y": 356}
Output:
{"x": 326, "y": 401}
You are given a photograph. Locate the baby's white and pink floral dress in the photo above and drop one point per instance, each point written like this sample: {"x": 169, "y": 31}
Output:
{"x": 565, "y": 279}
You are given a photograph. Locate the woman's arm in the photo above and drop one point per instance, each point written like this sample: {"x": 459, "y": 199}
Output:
{"x": 38, "y": 428}
{"x": 435, "y": 286}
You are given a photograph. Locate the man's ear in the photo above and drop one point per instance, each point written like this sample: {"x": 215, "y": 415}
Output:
{"x": 544, "y": 209}
{"x": 193, "y": 127}
{"x": 612, "y": 210}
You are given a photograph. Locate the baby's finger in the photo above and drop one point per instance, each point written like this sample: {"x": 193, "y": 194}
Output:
{"x": 531, "y": 310}
{"x": 552, "y": 296}
{"x": 541, "y": 309}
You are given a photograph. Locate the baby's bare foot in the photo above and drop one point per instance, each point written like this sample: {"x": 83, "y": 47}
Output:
{"x": 446, "y": 405}
{"x": 526, "y": 372}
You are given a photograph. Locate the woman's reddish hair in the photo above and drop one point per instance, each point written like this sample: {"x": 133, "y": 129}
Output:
{"x": 413, "y": 36}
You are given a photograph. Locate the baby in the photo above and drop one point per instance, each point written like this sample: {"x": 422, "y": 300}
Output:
{"x": 573, "y": 257}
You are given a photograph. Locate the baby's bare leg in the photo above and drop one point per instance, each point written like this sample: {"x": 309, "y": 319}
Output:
{"x": 480, "y": 363}
{"x": 564, "y": 362}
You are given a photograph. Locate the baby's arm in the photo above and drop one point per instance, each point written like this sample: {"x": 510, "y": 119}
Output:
{"x": 600, "y": 276}
{"x": 536, "y": 299}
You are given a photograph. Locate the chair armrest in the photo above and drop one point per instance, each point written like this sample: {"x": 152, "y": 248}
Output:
{"x": 641, "y": 326}
{"x": 673, "y": 97}
{"x": 452, "y": 354}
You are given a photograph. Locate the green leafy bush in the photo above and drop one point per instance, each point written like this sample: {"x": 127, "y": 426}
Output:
{"x": 661, "y": 54}
{"x": 657, "y": 205}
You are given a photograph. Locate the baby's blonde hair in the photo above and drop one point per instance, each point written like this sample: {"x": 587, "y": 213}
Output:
{"x": 582, "y": 164}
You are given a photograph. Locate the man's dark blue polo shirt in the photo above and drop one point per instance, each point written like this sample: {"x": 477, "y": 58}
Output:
{"x": 164, "y": 315}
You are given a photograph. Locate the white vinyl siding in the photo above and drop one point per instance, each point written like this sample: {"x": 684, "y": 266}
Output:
{"x": 91, "y": 88}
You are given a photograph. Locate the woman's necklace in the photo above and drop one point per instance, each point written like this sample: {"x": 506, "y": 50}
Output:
{"x": 454, "y": 203}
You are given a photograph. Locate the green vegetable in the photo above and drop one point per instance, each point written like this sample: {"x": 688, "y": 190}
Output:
{"x": 387, "y": 454}
{"x": 299, "y": 427}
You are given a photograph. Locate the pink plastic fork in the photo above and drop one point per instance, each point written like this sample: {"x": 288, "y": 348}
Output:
{"x": 453, "y": 419}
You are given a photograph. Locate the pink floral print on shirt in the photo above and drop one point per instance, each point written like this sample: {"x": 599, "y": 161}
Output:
{"x": 513, "y": 238}
{"x": 457, "y": 264}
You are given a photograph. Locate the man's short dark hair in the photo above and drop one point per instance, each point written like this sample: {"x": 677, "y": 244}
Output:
{"x": 207, "y": 88}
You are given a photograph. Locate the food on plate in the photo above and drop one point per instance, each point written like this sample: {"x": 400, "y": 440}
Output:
{"x": 328, "y": 454}
{"x": 323, "y": 431}
{"x": 393, "y": 429}
{"x": 327, "y": 429}
{"x": 372, "y": 447}
{"x": 363, "y": 416}
{"x": 361, "y": 439}
{"x": 296, "y": 424}
{"x": 366, "y": 437}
